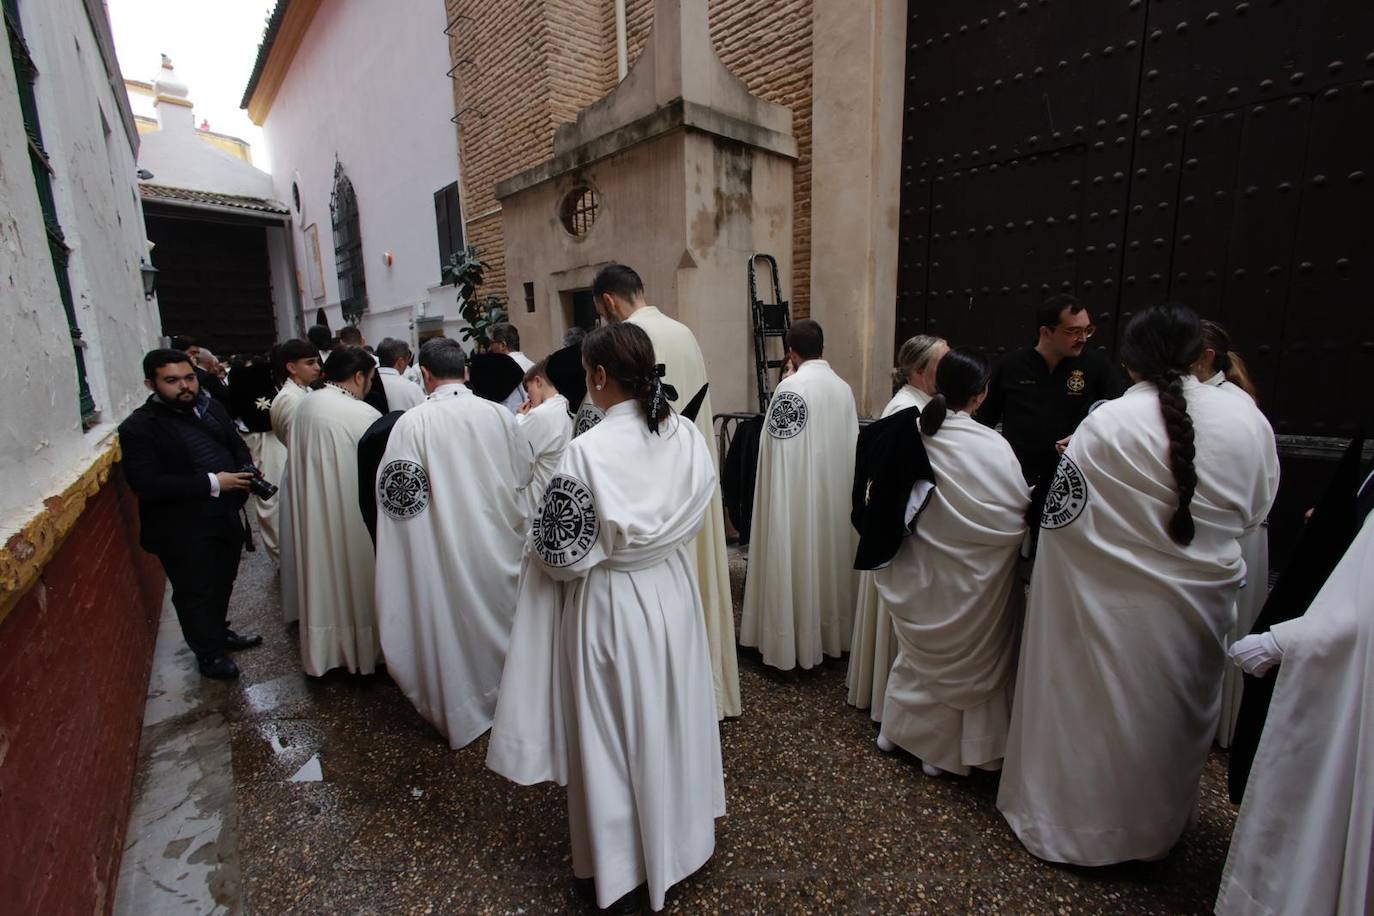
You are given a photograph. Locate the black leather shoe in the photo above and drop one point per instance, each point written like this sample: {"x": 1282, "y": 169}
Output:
{"x": 219, "y": 667}
{"x": 234, "y": 642}
{"x": 632, "y": 904}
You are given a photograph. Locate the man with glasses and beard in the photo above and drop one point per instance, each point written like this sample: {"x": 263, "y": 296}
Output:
{"x": 1040, "y": 394}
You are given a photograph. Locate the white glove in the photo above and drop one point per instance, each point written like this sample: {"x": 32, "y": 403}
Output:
{"x": 1256, "y": 654}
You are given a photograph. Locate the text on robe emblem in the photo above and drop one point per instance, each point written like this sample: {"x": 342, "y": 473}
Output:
{"x": 1067, "y": 497}
{"x": 587, "y": 417}
{"x": 567, "y": 525}
{"x": 1077, "y": 382}
{"x": 786, "y": 415}
{"x": 403, "y": 489}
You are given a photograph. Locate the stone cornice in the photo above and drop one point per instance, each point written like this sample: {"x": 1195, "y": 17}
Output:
{"x": 676, "y": 115}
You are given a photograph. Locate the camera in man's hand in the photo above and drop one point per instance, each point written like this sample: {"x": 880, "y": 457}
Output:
{"x": 257, "y": 484}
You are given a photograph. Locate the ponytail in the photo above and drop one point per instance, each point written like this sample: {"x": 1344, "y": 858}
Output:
{"x": 627, "y": 355}
{"x": 959, "y": 379}
{"x": 1182, "y": 451}
{"x": 933, "y": 415}
{"x": 653, "y": 396}
{"x": 1239, "y": 375}
{"x": 1160, "y": 345}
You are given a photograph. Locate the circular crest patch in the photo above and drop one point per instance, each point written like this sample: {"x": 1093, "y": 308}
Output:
{"x": 567, "y": 525}
{"x": 403, "y": 489}
{"x": 588, "y": 416}
{"x": 787, "y": 415}
{"x": 1077, "y": 382}
{"x": 1067, "y": 497}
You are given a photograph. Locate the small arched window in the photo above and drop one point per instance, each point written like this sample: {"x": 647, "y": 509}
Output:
{"x": 348, "y": 247}
{"x": 578, "y": 210}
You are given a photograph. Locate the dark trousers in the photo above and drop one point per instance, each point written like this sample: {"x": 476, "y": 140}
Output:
{"x": 201, "y": 566}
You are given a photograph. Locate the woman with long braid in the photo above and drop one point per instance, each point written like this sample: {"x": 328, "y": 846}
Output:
{"x": 1133, "y": 594}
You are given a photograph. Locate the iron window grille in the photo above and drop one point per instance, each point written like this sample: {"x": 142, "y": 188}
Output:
{"x": 348, "y": 247}
{"x": 579, "y": 209}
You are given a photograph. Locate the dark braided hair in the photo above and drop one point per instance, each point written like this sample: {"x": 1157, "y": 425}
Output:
{"x": 1160, "y": 345}
{"x": 627, "y": 355}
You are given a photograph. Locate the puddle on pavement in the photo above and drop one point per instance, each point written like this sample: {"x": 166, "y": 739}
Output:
{"x": 311, "y": 772}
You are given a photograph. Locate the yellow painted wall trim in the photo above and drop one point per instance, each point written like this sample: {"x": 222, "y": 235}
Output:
{"x": 28, "y": 551}
{"x": 289, "y": 35}
{"x": 169, "y": 100}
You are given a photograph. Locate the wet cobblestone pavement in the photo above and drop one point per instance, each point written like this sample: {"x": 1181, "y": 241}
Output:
{"x": 347, "y": 802}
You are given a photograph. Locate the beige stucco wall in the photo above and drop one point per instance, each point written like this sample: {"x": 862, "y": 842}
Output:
{"x": 685, "y": 210}
{"x": 858, "y": 68}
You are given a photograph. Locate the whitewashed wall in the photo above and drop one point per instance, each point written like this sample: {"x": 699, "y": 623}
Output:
{"x": 368, "y": 84}
{"x": 42, "y": 445}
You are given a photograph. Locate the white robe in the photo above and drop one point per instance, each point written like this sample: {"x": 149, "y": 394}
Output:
{"x": 333, "y": 551}
{"x": 1304, "y": 841}
{"x": 451, "y": 523}
{"x": 800, "y": 590}
{"x": 269, "y": 457}
{"x": 676, "y": 347}
{"x": 284, "y": 406}
{"x": 1119, "y": 683}
{"x": 549, "y": 430}
{"x": 873, "y": 647}
{"x": 401, "y": 392}
{"x": 607, "y": 686}
{"x": 956, "y": 604}
{"x": 1254, "y": 549}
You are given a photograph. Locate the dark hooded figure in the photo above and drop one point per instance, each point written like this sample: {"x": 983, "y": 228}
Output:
{"x": 494, "y": 376}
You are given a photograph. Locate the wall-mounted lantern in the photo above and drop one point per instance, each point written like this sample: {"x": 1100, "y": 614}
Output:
{"x": 149, "y": 277}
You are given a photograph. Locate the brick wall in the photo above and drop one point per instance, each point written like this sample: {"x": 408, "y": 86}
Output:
{"x": 533, "y": 64}
{"x": 74, "y": 662}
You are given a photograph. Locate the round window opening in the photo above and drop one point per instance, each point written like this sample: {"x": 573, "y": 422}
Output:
{"x": 578, "y": 210}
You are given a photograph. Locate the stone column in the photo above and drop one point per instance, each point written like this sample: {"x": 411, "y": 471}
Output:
{"x": 859, "y": 72}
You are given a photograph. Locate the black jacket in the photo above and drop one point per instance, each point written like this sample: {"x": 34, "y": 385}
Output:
{"x": 158, "y": 467}
{"x": 889, "y": 459}
{"x": 371, "y": 448}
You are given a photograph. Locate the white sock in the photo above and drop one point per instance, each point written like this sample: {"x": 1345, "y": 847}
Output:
{"x": 885, "y": 744}
{"x": 931, "y": 771}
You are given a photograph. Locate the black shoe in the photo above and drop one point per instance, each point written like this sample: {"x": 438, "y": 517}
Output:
{"x": 234, "y": 642}
{"x": 631, "y": 904}
{"x": 219, "y": 667}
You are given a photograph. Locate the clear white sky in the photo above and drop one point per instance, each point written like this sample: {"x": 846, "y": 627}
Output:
{"x": 212, "y": 44}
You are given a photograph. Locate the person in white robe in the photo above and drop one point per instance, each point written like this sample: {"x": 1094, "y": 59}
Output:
{"x": 451, "y": 522}
{"x": 297, "y": 363}
{"x": 251, "y": 390}
{"x": 607, "y": 686}
{"x": 873, "y": 647}
{"x": 393, "y": 358}
{"x": 619, "y": 296}
{"x": 800, "y": 589}
{"x": 333, "y": 552}
{"x": 1304, "y": 841}
{"x": 1223, "y": 368}
{"x": 1119, "y": 683}
{"x": 952, "y": 588}
{"x": 545, "y": 422}
{"x": 505, "y": 338}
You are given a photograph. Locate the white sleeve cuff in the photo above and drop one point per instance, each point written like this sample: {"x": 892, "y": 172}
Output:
{"x": 214, "y": 486}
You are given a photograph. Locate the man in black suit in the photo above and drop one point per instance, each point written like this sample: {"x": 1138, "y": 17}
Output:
{"x": 183, "y": 458}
